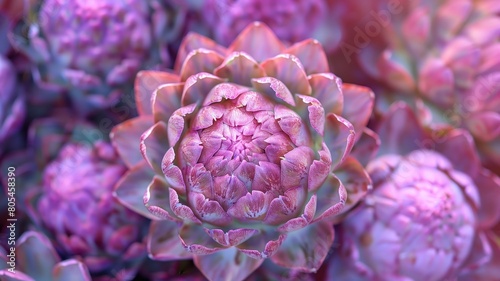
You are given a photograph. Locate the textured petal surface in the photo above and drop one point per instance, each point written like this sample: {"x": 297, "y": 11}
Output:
{"x": 35, "y": 247}
{"x": 130, "y": 189}
{"x": 227, "y": 265}
{"x": 300, "y": 252}
{"x": 154, "y": 145}
{"x": 164, "y": 244}
{"x": 258, "y": 41}
{"x": 125, "y": 137}
{"x": 358, "y": 105}
{"x": 311, "y": 53}
{"x": 71, "y": 270}
{"x": 146, "y": 83}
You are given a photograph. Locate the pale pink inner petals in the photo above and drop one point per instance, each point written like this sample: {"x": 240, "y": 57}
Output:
{"x": 241, "y": 152}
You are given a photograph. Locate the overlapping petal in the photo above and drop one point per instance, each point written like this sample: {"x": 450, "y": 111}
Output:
{"x": 245, "y": 153}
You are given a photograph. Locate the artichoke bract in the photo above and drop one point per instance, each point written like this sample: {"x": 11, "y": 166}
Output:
{"x": 36, "y": 259}
{"x": 92, "y": 49}
{"x": 67, "y": 177}
{"x": 244, "y": 153}
{"x": 431, "y": 210}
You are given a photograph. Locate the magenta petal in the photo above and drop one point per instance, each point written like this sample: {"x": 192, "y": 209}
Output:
{"x": 327, "y": 89}
{"x": 209, "y": 210}
{"x": 194, "y": 41}
{"x": 198, "y": 86}
{"x": 146, "y": 83}
{"x": 164, "y": 244}
{"x": 358, "y": 106}
{"x": 355, "y": 180}
{"x": 70, "y": 270}
{"x": 254, "y": 102}
{"x": 176, "y": 123}
{"x": 37, "y": 248}
{"x": 224, "y": 91}
{"x": 291, "y": 123}
{"x": 285, "y": 206}
{"x": 200, "y": 60}
{"x": 331, "y": 198}
{"x": 395, "y": 73}
{"x": 154, "y": 144}
{"x": 484, "y": 259}
{"x": 400, "y": 132}
{"x": 458, "y": 145}
{"x": 263, "y": 245}
{"x": 416, "y": 29}
{"x": 240, "y": 68}
{"x": 251, "y": 206}
{"x": 320, "y": 169}
{"x": 289, "y": 70}
{"x": 267, "y": 177}
{"x": 207, "y": 115}
{"x": 231, "y": 237}
{"x": 480, "y": 31}
{"x": 485, "y": 126}
{"x": 180, "y": 209}
{"x": 339, "y": 137}
{"x": 295, "y": 167}
{"x": 259, "y": 41}
{"x": 303, "y": 220}
{"x": 173, "y": 174}
{"x": 166, "y": 99}
{"x": 197, "y": 241}
{"x": 311, "y": 53}
{"x": 303, "y": 252}
{"x": 316, "y": 113}
{"x": 437, "y": 83}
{"x": 130, "y": 189}
{"x": 489, "y": 192}
{"x": 230, "y": 265}
{"x": 274, "y": 89}
{"x": 126, "y": 136}
{"x": 366, "y": 147}
{"x": 157, "y": 200}
{"x": 190, "y": 149}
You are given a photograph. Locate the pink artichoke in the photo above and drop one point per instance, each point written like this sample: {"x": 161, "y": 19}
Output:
{"x": 430, "y": 214}
{"x": 442, "y": 57}
{"x": 79, "y": 210}
{"x": 244, "y": 154}
{"x": 91, "y": 50}
{"x": 67, "y": 176}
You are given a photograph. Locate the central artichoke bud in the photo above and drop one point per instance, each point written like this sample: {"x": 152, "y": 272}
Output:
{"x": 247, "y": 151}
{"x": 241, "y": 160}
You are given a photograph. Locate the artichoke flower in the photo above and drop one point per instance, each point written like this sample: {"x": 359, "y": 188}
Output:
{"x": 83, "y": 217}
{"x": 67, "y": 176}
{"x": 430, "y": 214}
{"x": 440, "y": 56}
{"x": 92, "y": 49}
{"x": 37, "y": 260}
{"x": 244, "y": 154}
